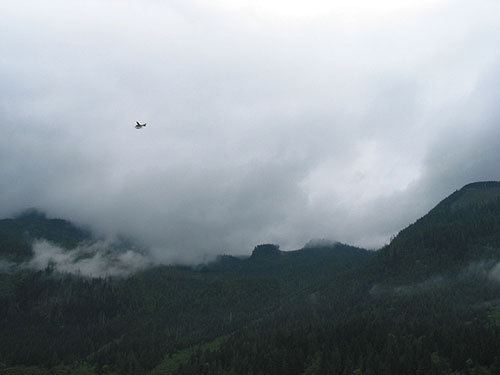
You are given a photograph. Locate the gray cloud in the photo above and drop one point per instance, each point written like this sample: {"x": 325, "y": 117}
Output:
{"x": 263, "y": 126}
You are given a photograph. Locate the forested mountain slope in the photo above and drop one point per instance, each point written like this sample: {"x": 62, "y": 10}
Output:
{"x": 428, "y": 303}
{"x": 129, "y": 324}
{"x": 462, "y": 228}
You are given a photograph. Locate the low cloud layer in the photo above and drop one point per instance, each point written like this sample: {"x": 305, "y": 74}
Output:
{"x": 486, "y": 269}
{"x": 92, "y": 260}
{"x": 267, "y": 122}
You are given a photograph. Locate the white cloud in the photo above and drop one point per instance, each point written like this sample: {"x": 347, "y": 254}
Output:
{"x": 93, "y": 260}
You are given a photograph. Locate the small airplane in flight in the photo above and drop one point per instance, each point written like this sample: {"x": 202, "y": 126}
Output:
{"x": 139, "y": 126}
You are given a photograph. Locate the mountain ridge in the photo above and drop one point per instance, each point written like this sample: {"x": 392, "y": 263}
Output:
{"x": 463, "y": 227}
{"x": 326, "y": 309}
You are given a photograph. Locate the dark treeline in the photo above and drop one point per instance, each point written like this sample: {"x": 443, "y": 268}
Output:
{"x": 128, "y": 325}
{"x": 425, "y": 332}
{"x": 346, "y": 326}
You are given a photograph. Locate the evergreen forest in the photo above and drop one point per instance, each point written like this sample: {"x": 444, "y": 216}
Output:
{"x": 426, "y": 303}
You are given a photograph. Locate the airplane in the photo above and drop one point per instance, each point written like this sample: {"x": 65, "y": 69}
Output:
{"x": 139, "y": 126}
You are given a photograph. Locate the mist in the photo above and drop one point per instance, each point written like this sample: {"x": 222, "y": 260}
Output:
{"x": 90, "y": 260}
{"x": 266, "y": 122}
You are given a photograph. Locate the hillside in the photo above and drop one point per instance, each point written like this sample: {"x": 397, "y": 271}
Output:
{"x": 462, "y": 228}
{"x": 49, "y": 318}
{"x": 428, "y": 303}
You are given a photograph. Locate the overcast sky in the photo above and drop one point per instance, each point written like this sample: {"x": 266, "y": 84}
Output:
{"x": 267, "y": 120}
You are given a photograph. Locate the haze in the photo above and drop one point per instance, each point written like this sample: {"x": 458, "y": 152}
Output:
{"x": 268, "y": 121}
